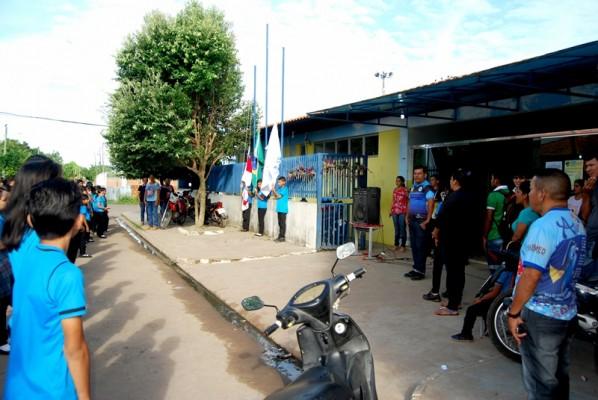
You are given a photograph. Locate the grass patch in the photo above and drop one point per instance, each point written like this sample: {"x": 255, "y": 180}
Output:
{"x": 127, "y": 200}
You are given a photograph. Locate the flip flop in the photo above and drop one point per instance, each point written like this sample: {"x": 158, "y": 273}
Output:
{"x": 446, "y": 312}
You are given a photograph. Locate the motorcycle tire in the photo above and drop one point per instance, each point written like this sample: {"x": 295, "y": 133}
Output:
{"x": 221, "y": 222}
{"x": 165, "y": 221}
{"x": 181, "y": 219}
{"x": 498, "y": 328}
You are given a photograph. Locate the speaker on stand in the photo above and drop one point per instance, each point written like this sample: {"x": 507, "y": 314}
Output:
{"x": 366, "y": 205}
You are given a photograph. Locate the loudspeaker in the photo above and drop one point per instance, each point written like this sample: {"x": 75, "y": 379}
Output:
{"x": 366, "y": 205}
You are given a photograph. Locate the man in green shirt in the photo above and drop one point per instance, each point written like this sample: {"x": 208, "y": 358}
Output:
{"x": 495, "y": 206}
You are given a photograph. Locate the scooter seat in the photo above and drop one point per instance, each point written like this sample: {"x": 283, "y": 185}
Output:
{"x": 313, "y": 384}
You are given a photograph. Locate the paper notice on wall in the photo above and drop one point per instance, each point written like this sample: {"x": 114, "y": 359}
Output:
{"x": 574, "y": 168}
{"x": 554, "y": 164}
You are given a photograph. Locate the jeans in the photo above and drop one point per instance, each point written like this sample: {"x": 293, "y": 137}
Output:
{"x": 400, "y": 229}
{"x": 419, "y": 245}
{"x": 492, "y": 249}
{"x": 282, "y": 225}
{"x": 142, "y": 213}
{"x": 545, "y": 356}
{"x": 246, "y": 217}
{"x": 152, "y": 214}
{"x": 261, "y": 216}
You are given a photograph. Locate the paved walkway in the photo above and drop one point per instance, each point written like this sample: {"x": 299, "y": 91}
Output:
{"x": 414, "y": 355}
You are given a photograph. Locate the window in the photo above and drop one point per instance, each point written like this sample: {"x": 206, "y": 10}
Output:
{"x": 356, "y": 146}
{"x": 319, "y": 147}
{"x": 342, "y": 146}
{"x": 329, "y": 147}
{"x": 371, "y": 145}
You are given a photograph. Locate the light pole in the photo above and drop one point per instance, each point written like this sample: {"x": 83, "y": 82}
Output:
{"x": 383, "y": 75}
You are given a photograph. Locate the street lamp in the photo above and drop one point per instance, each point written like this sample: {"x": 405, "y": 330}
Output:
{"x": 383, "y": 76}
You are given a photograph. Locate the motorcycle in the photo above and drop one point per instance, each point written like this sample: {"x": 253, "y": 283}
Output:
{"x": 215, "y": 214}
{"x": 176, "y": 210}
{"x": 336, "y": 356}
{"x": 497, "y": 320}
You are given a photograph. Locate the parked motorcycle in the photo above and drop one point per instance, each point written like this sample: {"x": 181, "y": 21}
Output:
{"x": 336, "y": 355}
{"x": 497, "y": 320}
{"x": 215, "y": 214}
{"x": 176, "y": 210}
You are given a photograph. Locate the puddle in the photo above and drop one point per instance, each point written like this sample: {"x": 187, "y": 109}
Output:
{"x": 273, "y": 355}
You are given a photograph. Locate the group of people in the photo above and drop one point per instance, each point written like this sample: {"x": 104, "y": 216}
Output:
{"x": 280, "y": 192}
{"x": 556, "y": 232}
{"x": 153, "y": 200}
{"x": 42, "y": 217}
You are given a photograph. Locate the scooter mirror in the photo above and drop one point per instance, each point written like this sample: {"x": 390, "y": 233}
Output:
{"x": 252, "y": 303}
{"x": 345, "y": 250}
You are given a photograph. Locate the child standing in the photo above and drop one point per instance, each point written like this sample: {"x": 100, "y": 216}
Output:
{"x": 100, "y": 211}
{"x": 282, "y": 207}
{"x": 262, "y": 207}
{"x": 49, "y": 356}
{"x": 85, "y": 234}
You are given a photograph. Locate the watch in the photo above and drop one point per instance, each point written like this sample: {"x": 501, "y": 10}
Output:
{"x": 513, "y": 315}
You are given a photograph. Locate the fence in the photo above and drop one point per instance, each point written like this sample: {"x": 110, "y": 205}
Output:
{"x": 327, "y": 178}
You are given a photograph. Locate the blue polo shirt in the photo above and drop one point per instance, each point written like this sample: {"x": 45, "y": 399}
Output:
{"x": 282, "y": 203}
{"x": 262, "y": 203}
{"x": 99, "y": 201}
{"x": 419, "y": 196}
{"x": 84, "y": 210}
{"x": 48, "y": 288}
{"x": 555, "y": 245}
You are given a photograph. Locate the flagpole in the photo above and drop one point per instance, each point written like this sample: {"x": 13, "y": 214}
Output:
{"x": 253, "y": 116}
{"x": 282, "y": 109}
{"x": 266, "y": 105}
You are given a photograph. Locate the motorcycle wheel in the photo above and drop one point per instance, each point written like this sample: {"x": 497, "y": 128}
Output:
{"x": 498, "y": 328}
{"x": 165, "y": 221}
{"x": 221, "y": 222}
{"x": 181, "y": 219}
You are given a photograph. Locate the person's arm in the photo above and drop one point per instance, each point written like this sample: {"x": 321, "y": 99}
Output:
{"x": 84, "y": 224}
{"x": 487, "y": 225}
{"x": 525, "y": 289}
{"x": 77, "y": 355}
{"x": 490, "y": 295}
{"x": 586, "y": 208}
{"x": 519, "y": 232}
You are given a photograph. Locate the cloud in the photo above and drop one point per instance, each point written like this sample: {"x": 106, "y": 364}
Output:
{"x": 333, "y": 49}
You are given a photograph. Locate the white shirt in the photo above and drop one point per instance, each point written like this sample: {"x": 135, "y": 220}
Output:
{"x": 574, "y": 204}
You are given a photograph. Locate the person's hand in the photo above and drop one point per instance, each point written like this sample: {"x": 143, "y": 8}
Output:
{"x": 590, "y": 184}
{"x": 485, "y": 243}
{"x": 423, "y": 225}
{"x": 477, "y": 300}
{"x": 513, "y": 325}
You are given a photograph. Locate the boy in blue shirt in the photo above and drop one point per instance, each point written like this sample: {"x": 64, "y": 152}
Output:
{"x": 49, "y": 358}
{"x": 85, "y": 234}
{"x": 262, "y": 207}
{"x": 100, "y": 211}
{"x": 282, "y": 207}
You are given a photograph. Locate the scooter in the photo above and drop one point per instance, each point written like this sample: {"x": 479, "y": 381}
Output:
{"x": 176, "y": 210}
{"x": 336, "y": 355}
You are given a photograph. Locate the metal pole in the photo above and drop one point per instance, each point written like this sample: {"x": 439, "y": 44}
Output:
{"x": 266, "y": 105}
{"x": 282, "y": 109}
{"x": 253, "y": 116}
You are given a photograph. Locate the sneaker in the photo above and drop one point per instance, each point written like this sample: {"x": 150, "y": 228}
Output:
{"x": 418, "y": 276}
{"x": 258, "y": 234}
{"x": 85, "y": 255}
{"x": 103, "y": 236}
{"x": 459, "y": 337}
{"x": 5, "y": 349}
{"x": 279, "y": 240}
{"x": 90, "y": 240}
{"x": 410, "y": 274}
{"x": 432, "y": 297}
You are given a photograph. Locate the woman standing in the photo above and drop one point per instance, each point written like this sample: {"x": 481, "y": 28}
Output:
{"x": 398, "y": 210}
{"x": 452, "y": 230}
{"x": 525, "y": 218}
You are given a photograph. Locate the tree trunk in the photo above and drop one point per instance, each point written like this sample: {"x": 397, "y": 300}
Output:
{"x": 200, "y": 199}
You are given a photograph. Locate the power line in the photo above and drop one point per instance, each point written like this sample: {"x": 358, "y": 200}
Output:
{"x": 65, "y": 121}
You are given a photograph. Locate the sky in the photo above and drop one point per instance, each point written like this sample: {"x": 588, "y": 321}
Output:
{"x": 57, "y": 56}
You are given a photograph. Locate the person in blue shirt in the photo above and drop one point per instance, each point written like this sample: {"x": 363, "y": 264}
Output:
{"x": 100, "y": 212}
{"x": 542, "y": 315}
{"x": 85, "y": 234}
{"x": 152, "y": 195}
{"x": 262, "y": 207}
{"x": 49, "y": 357}
{"x": 282, "y": 207}
{"x": 419, "y": 214}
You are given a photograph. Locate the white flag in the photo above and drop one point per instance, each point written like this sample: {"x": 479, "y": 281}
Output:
{"x": 272, "y": 162}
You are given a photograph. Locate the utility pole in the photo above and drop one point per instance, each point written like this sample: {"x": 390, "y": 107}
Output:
{"x": 383, "y": 76}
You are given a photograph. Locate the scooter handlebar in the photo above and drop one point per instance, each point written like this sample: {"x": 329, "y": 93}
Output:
{"x": 358, "y": 273}
{"x": 272, "y": 328}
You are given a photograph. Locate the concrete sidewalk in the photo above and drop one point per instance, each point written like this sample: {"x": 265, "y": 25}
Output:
{"x": 414, "y": 355}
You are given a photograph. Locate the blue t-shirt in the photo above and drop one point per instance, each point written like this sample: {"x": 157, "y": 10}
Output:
{"x": 262, "y": 203}
{"x": 419, "y": 195}
{"x": 555, "y": 245}
{"x": 526, "y": 216}
{"x": 99, "y": 204}
{"x": 151, "y": 191}
{"x": 48, "y": 288}
{"x": 83, "y": 210}
{"x": 1, "y": 223}
{"x": 282, "y": 204}
{"x": 505, "y": 280}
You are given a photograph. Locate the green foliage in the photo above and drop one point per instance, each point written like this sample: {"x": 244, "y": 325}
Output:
{"x": 17, "y": 153}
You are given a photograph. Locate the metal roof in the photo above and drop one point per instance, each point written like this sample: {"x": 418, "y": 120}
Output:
{"x": 550, "y": 73}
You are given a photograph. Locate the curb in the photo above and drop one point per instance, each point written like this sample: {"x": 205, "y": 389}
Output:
{"x": 279, "y": 357}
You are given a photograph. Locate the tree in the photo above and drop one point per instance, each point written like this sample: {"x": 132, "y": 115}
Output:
{"x": 72, "y": 170}
{"x": 178, "y": 99}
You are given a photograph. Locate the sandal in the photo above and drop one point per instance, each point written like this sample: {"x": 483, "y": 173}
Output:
{"x": 446, "y": 312}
